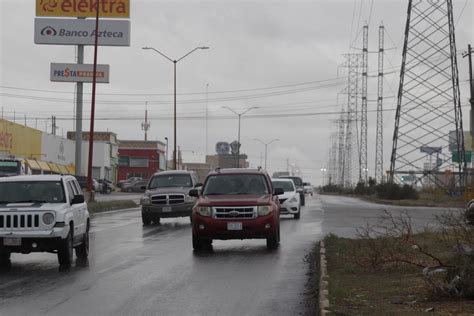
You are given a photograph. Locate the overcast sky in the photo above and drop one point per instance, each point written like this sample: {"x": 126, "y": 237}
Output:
{"x": 283, "y": 57}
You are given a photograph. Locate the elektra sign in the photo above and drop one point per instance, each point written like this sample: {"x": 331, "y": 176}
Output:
{"x": 81, "y": 32}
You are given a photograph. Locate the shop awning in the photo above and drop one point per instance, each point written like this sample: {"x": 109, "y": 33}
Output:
{"x": 33, "y": 164}
{"x": 44, "y": 166}
{"x": 63, "y": 169}
{"x": 71, "y": 169}
{"x": 54, "y": 167}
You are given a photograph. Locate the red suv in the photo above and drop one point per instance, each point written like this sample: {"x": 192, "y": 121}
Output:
{"x": 236, "y": 204}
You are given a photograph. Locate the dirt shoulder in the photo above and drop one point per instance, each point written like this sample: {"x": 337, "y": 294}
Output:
{"x": 399, "y": 290}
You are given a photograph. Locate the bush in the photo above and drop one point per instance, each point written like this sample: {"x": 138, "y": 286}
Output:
{"x": 332, "y": 188}
{"x": 392, "y": 191}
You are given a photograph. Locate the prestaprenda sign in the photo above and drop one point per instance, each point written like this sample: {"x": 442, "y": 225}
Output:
{"x": 81, "y": 32}
{"x": 79, "y": 73}
{"x": 83, "y": 8}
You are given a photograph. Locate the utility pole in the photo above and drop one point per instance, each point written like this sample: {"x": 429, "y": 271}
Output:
{"x": 146, "y": 124}
{"x": 468, "y": 54}
{"x": 207, "y": 119}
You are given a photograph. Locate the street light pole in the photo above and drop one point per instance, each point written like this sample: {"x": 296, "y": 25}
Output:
{"x": 175, "y": 61}
{"x": 166, "y": 155}
{"x": 266, "y": 147}
{"x": 238, "y": 137}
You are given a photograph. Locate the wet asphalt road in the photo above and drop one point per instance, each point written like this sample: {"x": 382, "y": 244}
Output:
{"x": 135, "y": 270}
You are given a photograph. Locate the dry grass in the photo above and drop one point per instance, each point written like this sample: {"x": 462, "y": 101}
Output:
{"x": 396, "y": 289}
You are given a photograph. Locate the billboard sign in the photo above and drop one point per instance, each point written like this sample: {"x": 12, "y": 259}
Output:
{"x": 81, "y": 32}
{"x": 83, "y": 8}
{"x": 79, "y": 73}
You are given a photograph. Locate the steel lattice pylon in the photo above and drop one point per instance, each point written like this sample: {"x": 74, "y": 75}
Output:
{"x": 428, "y": 125}
{"x": 379, "y": 131}
{"x": 341, "y": 141}
{"x": 363, "y": 111}
{"x": 351, "y": 137}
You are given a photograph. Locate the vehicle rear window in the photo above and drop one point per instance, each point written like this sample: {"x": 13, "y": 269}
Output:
{"x": 254, "y": 184}
{"x": 287, "y": 186}
{"x": 171, "y": 181}
{"x": 32, "y": 191}
{"x": 296, "y": 181}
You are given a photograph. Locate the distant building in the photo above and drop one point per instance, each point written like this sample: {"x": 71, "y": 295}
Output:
{"x": 139, "y": 158}
{"x": 226, "y": 161}
{"x": 201, "y": 169}
{"x": 105, "y": 154}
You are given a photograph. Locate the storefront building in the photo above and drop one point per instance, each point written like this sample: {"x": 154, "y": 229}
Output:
{"x": 138, "y": 158}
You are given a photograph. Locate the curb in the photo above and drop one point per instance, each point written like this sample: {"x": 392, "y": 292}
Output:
{"x": 115, "y": 211}
{"x": 323, "y": 281}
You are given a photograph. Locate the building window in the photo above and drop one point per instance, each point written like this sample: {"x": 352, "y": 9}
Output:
{"x": 124, "y": 161}
{"x": 139, "y": 162}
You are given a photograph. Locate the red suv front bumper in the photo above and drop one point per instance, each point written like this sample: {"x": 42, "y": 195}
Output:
{"x": 211, "y": 228}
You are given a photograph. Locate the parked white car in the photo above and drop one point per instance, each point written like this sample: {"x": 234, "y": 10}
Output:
{"x": 308, "y": 188}
{"x": 290, "y": 202}
{"x": 43, "y": 213}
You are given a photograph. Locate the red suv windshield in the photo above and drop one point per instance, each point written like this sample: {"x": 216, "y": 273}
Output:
{"x": 254, "y": 184}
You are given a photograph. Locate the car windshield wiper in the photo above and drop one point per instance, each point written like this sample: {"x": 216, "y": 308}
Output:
{"x": 29, "y": 201}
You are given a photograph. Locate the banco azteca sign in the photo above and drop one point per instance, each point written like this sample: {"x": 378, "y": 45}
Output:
{"x": 81, "y": 32}
{"x": 83, "y": 8}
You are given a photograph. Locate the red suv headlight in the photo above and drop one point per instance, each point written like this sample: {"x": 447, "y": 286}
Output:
{"x": 264, "y": 210}
{"x": 203, "y": 210}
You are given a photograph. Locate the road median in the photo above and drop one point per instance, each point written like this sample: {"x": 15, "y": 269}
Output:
{"x": 99, "y": 207}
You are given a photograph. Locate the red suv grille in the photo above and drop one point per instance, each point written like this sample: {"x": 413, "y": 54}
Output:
{"x": 235, "y": 212}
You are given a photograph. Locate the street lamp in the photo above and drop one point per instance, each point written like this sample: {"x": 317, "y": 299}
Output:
{"x": 239, "y": 115}
{"x": 266, "y": 147}
{"x": 175, "y": 61}
{"x": 323, "y": 170}
{"x": 166, "y": 155}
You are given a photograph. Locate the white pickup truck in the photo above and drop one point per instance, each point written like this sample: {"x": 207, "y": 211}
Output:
{"x": 43, "y": 213}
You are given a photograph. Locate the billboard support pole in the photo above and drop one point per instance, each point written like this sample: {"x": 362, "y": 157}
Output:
{"x": 94, "y": 84}
{"x": 78, "y": 133}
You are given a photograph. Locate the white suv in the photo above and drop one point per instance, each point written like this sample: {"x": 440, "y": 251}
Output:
{"x": 43, "y": 213}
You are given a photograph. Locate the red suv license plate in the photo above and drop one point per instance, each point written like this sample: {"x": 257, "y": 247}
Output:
{"x": 234, "y": 226}
{"x": 12, "y": 241}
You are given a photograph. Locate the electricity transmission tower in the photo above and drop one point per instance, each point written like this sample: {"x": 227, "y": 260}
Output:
{"x": 428, "y": 140}
{"x": 379, "y": 131}
{"x": 363, "y": 115}
{"x": 341, "y": 145}
{"x": 351, "y": 136}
